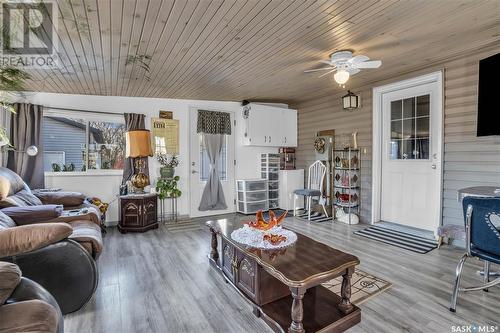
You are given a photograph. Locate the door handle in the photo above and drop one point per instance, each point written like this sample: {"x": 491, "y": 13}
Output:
{"x": 194, "y": 171}
{"x": 433, "y": 166}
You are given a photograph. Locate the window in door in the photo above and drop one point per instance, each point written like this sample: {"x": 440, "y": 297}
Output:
{"x": 205, "y": 162}
{"x": 410, "y": 123}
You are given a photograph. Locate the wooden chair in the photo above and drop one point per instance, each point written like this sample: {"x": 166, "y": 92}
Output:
{"x": 316, "y": 175}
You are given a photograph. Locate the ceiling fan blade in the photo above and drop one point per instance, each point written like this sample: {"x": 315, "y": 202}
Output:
{"x": 357, "y": 59}
{"x": 333, "y": 70}
{"x": 369, "y": 64}
{"x": 353, "y": 71}
{"x": 328, "y": 62}
{"x": 319, "y": 69}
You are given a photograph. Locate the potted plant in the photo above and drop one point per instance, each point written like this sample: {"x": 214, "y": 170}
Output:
{"x": 168, "y": 165}
{"x": 167, "y": 188}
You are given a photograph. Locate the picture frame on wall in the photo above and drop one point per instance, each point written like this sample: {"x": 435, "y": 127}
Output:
{"x": 165, "y": 136}
{"x": 166, "y": 114}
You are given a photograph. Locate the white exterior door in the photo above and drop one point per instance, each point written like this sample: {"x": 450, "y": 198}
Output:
{"x": 411, "y": 156}
{"x": 199, "y": 168}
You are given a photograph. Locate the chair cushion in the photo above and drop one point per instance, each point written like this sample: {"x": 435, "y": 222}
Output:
{"x": 10, "y": 276}
{"x": 31, "y": 237}
{"x": 308, "y": 192}
{"x": 28, "y": 316}
{"x": 67, "y": 199}
{"x": 484, "y": 255}
{"x": 6, "y": 221}
{"x": 87, "y": 233}
{"x": 10, "y": 183}
{"x": 22, "y": 198}
{"x": 33, "y": 214}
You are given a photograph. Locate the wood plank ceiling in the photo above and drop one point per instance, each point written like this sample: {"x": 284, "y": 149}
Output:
{"x": 256, "y": 49}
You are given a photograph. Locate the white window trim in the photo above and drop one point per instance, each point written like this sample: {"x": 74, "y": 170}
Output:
{"x": 87, "y": 116}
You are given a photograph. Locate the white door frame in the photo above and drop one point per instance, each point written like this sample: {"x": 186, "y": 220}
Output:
{"x": 192, "y": 109}
{"x": 378, "y": 93}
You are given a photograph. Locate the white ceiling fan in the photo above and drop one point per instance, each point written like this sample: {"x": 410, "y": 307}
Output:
{"x": 344, "y": 64}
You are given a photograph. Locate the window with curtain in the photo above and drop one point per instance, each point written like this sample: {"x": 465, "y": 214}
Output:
{"x": 82, "y": 143}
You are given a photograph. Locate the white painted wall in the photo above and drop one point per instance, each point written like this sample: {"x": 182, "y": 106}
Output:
{"x": 106, "y": 187}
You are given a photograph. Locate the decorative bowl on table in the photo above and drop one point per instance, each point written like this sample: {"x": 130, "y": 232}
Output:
{"x": 265, "y": 235}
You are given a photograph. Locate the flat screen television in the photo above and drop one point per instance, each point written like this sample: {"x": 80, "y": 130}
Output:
{"x": 488, "y": 107}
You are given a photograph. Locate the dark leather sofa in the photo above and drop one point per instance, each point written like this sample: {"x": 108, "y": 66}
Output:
{"x": 25, "y": 306}
{"x": 65, "y": 266}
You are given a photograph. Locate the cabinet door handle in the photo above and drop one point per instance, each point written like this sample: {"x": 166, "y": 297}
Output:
{"x": 285, "y": 139}
{"x": 269, "y": 139}
{"x": 265, "y": 138}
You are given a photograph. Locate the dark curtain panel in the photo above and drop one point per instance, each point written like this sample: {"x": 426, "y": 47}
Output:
{"x": 134, "y": 121}
{"x": 25, "y": 131}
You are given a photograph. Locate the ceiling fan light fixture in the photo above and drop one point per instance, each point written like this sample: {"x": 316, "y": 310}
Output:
{"x": 341, "y": 76}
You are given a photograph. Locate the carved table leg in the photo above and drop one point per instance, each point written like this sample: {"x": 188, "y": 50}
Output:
{"x": 345, "y": 292}
{"x": 297, "y": 311}
{"x": 214, "y": 254}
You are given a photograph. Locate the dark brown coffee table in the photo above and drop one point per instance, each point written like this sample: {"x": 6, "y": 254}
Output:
{"x": 284, "y": 285}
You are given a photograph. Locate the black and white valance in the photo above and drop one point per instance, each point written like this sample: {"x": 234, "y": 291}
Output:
{"x": 214, "y": 122}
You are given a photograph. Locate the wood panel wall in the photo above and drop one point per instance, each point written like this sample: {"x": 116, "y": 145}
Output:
{"x": 468, "y": 160}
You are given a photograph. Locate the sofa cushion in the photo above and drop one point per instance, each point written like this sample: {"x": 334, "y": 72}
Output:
{"x": 33, "y": 214}
{"x": 10, "y": 276}
{"x": 88, "y": 234}
{"x": 10, "y": 183}
{"x": 28, "y": 316}
{"x": 67, "y": 199}
{"x": 31, "y": 237}
{"x": 22, "y": 198}
{"x": 6, "y": 221}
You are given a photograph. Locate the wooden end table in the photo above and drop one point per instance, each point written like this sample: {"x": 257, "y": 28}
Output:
{"x": 138, "y": 212}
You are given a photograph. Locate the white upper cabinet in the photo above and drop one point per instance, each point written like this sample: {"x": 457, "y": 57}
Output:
{"x": 289, "y": 125}
{"x": 269, "y": 126}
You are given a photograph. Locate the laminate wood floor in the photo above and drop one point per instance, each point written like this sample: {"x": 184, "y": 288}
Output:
{"x": 160, "y": 281}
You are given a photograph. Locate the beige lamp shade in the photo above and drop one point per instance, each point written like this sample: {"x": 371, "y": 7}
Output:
{"x": 138, "y": 143}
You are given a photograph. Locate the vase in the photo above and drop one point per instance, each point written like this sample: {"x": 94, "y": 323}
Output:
{"x": 167, "y": 172}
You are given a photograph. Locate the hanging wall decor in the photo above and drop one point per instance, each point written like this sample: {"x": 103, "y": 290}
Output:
{"x": 165, "y": 136}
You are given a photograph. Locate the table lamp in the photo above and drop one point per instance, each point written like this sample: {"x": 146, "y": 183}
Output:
{"x": 138, "y": 145}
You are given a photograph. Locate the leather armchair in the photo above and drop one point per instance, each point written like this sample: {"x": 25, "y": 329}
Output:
{"x": 25, "y": 306}
{"x": 45, "y": 254}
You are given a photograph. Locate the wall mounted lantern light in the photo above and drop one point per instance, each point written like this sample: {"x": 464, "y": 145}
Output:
{"x": 350, "y": 101}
